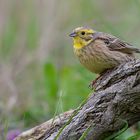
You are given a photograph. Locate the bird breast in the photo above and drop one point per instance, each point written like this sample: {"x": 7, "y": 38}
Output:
{"x": 97, "y": 58}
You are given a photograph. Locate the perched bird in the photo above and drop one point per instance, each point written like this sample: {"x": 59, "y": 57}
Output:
{"x": 99, "y": 51}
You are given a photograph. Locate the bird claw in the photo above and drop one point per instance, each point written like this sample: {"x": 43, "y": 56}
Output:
{"x": 92, "y": 84}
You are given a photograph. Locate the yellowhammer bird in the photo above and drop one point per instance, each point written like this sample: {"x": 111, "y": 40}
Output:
{"x": 99, "y": 51}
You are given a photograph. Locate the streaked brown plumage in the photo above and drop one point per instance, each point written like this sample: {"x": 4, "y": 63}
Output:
{"x": 99, "y": 51}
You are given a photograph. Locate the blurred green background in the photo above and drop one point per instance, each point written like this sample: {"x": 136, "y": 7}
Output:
{"x": 39, "y": 74}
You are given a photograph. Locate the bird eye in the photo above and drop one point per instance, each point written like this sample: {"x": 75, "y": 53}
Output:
{"x": 82, "y": 33}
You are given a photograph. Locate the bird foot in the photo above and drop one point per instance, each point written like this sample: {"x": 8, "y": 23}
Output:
{"x": 92, "y": 85}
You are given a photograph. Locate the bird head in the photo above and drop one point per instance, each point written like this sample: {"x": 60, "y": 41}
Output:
{"x": 82, "y": 37}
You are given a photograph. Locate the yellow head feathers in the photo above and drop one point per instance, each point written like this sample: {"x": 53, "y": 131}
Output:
{"x": 81, "y": 37}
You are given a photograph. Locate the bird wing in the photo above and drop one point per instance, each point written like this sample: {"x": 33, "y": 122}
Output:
{"x": 115, "y": 44}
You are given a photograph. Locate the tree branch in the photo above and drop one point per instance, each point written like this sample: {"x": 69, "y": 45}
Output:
{"x": 116, "y": 100}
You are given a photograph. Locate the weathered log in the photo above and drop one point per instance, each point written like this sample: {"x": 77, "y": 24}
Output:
{"x": 116, "y": 100}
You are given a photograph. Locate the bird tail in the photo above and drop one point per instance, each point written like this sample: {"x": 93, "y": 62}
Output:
{"x": 137, "y": 50}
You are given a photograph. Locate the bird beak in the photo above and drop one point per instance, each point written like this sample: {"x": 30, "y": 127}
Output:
{"x": 73, "y": 34}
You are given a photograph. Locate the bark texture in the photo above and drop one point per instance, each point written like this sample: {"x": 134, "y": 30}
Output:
{"x": 116, "y": 100}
